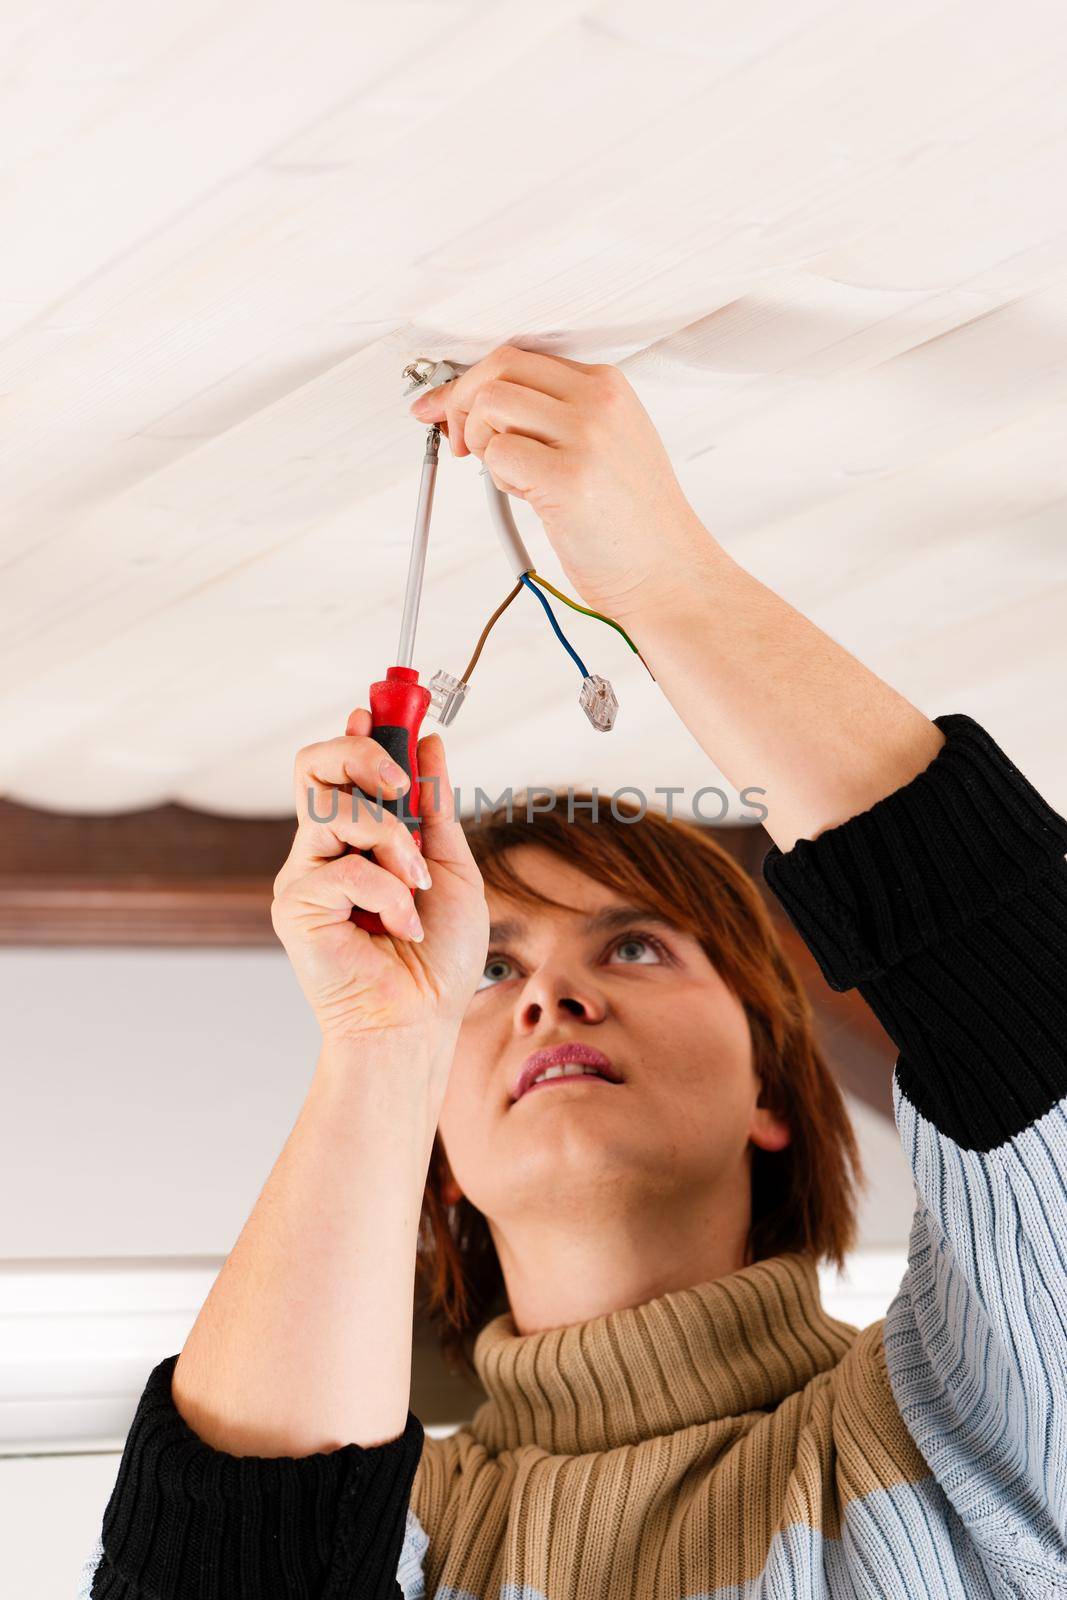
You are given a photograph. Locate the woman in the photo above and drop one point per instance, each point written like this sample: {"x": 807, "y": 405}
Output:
{"x": 670, "y": 1410}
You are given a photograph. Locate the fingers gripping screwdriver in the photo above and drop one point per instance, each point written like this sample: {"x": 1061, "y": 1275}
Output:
{"x": 398, "y": 701}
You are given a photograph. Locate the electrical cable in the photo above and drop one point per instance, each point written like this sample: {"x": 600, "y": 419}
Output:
{"x": 501, "y": 608}
{"x": 556, "y": 629}
{"x": 599, "y": 615}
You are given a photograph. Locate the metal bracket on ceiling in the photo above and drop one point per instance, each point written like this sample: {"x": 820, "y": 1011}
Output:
{"x": 424, "y": 372}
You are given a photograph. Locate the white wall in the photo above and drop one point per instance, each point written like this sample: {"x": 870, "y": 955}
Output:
{"x": 50, "y": 1510}
{"x": 147, "y": 1093}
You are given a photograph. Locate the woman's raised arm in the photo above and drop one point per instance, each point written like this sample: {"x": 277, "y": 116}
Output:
{"x": 304, "y": 1342}
{"x": 773, "y": 700}
{"x": 275, "y": 1455}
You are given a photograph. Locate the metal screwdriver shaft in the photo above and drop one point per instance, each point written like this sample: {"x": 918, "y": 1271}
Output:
{"x": 398, "y": 701}
{"x": 419, "y": 540}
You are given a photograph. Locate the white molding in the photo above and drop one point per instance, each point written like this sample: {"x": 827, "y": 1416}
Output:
{"x": 78, "y": 1338}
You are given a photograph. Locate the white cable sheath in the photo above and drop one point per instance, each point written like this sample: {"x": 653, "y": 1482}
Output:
{"x": 500, "y": 513}
{"x": 516, "y": 553}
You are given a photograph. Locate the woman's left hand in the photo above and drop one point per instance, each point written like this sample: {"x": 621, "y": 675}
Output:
{"x": 577, "y": 445}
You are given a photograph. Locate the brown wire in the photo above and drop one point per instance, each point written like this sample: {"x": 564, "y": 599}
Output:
{"x": 501, "y": 608}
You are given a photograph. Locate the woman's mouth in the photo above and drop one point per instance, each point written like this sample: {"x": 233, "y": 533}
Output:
{"x": 583, "y": 1076}
{"x": 564, "y": 1063}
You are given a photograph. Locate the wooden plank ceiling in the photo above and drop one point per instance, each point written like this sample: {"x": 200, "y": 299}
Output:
{"x": 826, "y": 242}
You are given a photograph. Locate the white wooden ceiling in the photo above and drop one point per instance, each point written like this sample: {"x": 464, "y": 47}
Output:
{"x": 826, "y": 242}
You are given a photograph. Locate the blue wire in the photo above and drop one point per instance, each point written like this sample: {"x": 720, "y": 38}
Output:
{"x": 557, "y": 630}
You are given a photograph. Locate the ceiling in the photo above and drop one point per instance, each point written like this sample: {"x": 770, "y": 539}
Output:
{"x": 827, "y": 243}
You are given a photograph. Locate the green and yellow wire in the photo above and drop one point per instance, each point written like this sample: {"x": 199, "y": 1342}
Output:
{"x": 599, "y": 615}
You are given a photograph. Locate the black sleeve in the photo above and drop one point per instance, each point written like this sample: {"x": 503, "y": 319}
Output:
{"x": 945, "y": 905}
{"x": 188, "y": 1522}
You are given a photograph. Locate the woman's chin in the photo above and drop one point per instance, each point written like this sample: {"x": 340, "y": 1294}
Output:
{"x": 578, "y": 1155}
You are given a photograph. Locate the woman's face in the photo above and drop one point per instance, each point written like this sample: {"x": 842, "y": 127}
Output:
{"x": 680, "y": 1121}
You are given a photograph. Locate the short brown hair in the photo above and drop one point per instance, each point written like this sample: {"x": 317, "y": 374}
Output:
{"x": 803, "y": 1197}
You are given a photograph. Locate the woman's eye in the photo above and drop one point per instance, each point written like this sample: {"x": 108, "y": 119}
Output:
{"x": 646, "y": 950}
{"x": 493, "y": 973}
{"x": 633, "y": 950}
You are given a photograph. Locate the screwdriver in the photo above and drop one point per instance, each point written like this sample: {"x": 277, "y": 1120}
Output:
{"x": 398, "y": 701}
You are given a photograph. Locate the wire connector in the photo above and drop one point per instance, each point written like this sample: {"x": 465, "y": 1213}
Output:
{"x": 447, "y": 694}
{"x": 598, "y": 701}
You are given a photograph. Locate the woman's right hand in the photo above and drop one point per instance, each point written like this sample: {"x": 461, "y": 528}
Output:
{"x": 355, "y": 981}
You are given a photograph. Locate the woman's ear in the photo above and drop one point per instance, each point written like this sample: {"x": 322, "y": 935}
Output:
{"x": 768, "y": 1131}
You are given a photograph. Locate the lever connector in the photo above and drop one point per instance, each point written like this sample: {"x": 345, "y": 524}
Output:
{"x": 447, "y": 694}
{"x": 598, "y": 701}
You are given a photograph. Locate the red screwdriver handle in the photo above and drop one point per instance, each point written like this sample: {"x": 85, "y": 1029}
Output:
{"x": 398, "y": 704}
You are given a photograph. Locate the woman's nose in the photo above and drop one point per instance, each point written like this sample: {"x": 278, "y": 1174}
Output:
{"x": 544, "y": 996}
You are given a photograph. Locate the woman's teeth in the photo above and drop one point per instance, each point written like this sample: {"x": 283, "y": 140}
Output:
{"x": 570, "y": 1070}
